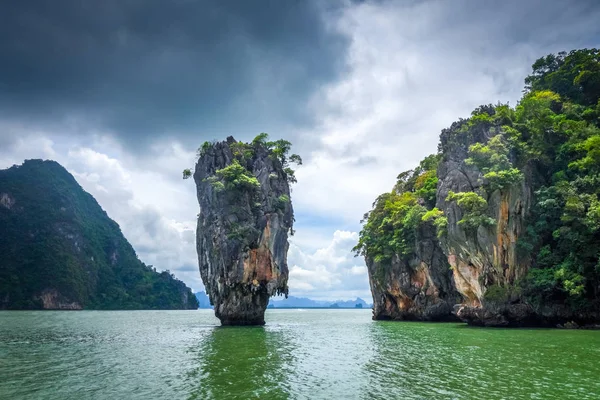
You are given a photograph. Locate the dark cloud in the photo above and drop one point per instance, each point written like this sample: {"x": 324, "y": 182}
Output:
{"x": 150, "y": 67}
{"x": 7, "y": 139}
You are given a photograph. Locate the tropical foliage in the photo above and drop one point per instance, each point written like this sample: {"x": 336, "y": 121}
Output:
{"x": 492, "y": 160}
{"x": 234, "y": 177}
{"x": 550, "y": 142}
{"x": 244, "y": 153}
{"x": 57, "y": 237}
{"x": 391, "y": 227}
{"x": 474, "y": 208}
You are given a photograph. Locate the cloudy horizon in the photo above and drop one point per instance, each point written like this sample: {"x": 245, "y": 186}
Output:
{"x": 121, "y": 93}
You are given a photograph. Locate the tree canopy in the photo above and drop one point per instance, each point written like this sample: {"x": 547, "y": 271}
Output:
{"x": 278, "y": 149}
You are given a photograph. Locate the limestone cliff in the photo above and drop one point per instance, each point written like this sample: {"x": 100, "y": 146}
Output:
{"x": 515, "y": 198}
{"x": 418, "y": 287}
{"x": 409, "y": 274}
{"x": 486, "y": 255}
{"x": 493, "y": 259}
{"x": 243, "y": 225}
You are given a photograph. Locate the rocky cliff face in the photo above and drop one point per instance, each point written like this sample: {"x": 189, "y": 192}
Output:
{"x": 490, "y": 269}
{"x": 409, "y": 274}
{"x": 243, "y": 225}
{"x": 51, "y": 299}
{"x": 486, "y": 256}
{"x": 472, "y": 267}
{"x": 419, "y": 287}
{"x": 516, "y": 205}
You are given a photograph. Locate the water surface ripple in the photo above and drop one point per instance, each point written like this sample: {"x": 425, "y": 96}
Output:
{"x": 299, "y": 354}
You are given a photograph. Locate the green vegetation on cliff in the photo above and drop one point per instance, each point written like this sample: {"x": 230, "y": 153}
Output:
{"x": 559, "y": 120}
{"x": 57, "y": 240}
{"x": 390, "y": 228}
{"x": 246, "y": 215}
{"x": 237, "y": 174}
{"x": 549, "y": 145}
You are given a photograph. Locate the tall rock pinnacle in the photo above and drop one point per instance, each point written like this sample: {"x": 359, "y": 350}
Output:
{"x": 245, "y": 217}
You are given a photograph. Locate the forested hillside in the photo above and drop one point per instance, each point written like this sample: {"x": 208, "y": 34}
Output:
{"x": 60, "y": 250}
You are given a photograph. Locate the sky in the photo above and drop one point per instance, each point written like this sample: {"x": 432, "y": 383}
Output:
{"x": 123, "y": 92}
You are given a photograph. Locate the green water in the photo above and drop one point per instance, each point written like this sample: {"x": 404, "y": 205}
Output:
{"x": 299, "y": 354}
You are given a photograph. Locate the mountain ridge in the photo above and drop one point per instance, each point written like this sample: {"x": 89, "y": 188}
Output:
{"x": 304, "y": 302}
{"x": 60, "y": 250}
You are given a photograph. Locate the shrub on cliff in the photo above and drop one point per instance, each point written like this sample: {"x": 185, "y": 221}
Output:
{"x": 243, "y": 153}
{"x": 234, "y": 177}
{"x": 493, "y": 161}
{"x": 474, "y": 208}
{"x": 390, "y": 228}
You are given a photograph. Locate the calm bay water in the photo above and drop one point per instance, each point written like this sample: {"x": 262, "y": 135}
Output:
{"x": 299, "y": 354}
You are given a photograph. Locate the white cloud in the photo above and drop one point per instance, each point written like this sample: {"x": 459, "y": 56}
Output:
{"x": 16, "y": 144}
{"x": 329, "y": 273}
{"x": 153, "y": 213}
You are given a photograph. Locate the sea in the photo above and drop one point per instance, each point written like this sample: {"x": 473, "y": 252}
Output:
{"x": 298, "y": 354}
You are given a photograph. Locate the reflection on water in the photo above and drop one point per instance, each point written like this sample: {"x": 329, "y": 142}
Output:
{"x": 316, "y": 354}
{"x": 241, "y": 362}
{"x": 414, "y": 361}
{"x": 430, "y": 360}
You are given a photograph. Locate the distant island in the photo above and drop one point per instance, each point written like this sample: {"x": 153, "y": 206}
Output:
{"x": 303, "y": 302}
{"x": 60, "y": 250}
{"x": 298, "y": 302}
{"x": 203, "y": 300}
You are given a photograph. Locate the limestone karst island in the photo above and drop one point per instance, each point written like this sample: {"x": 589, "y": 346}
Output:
{"x": 245, "y": 217}
{"x": 501, "y": 227}
{"x": 421, "y": 221}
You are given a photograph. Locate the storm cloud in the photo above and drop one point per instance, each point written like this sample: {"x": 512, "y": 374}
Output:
{"x": 143, "y": 68}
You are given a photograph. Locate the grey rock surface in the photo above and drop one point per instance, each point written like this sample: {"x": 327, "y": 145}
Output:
{"x": 420, "y": 288}
{"x": 242, "y": 234}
